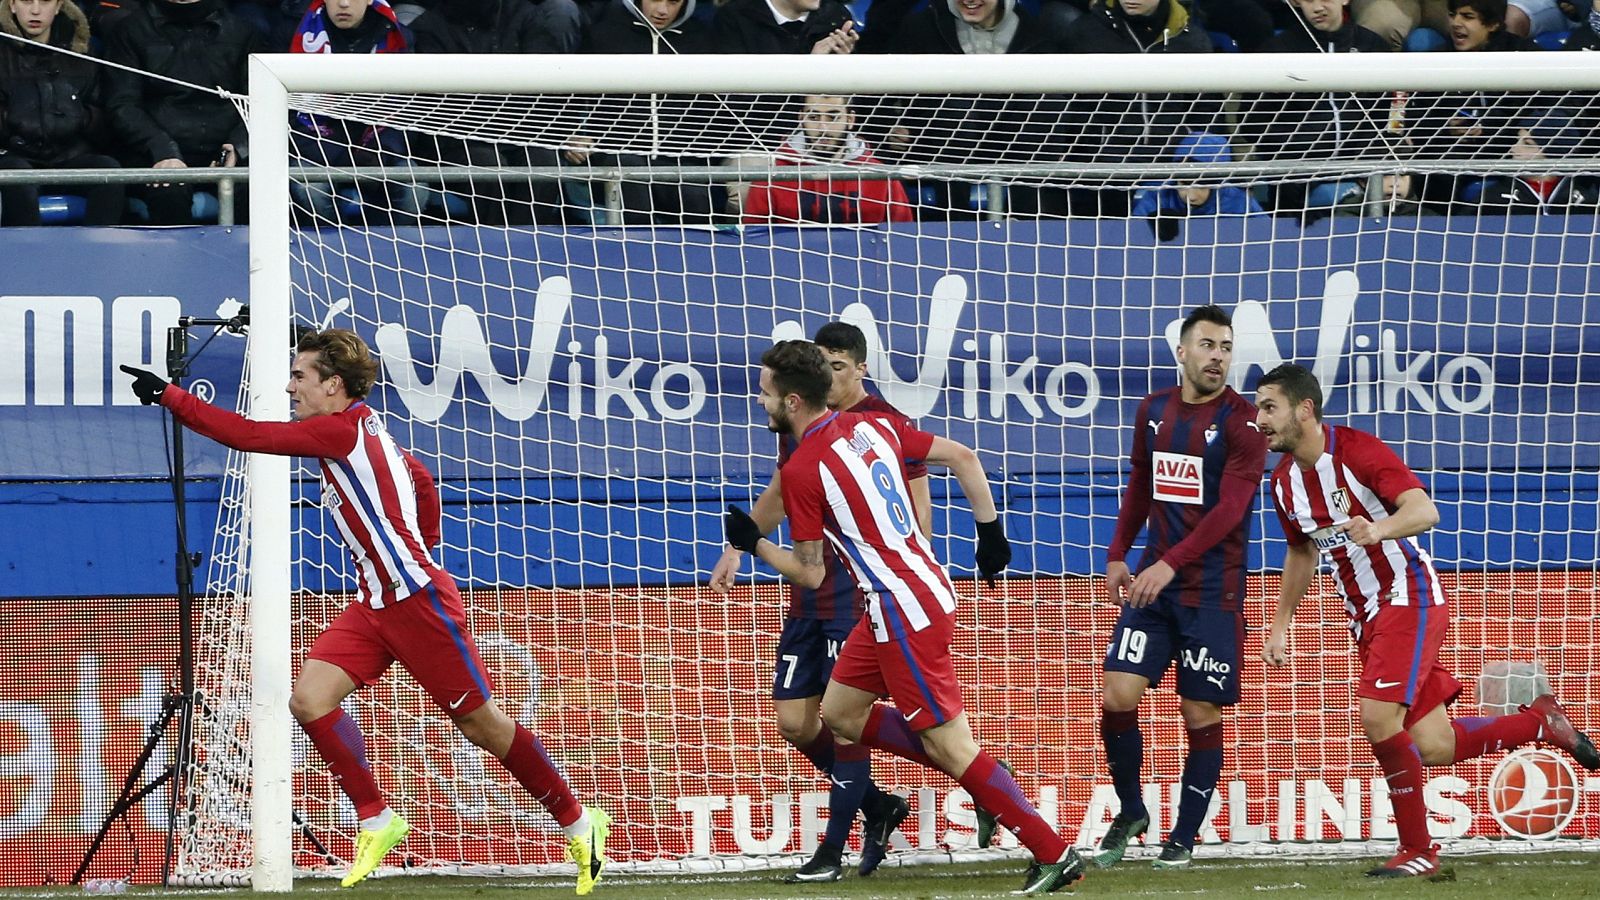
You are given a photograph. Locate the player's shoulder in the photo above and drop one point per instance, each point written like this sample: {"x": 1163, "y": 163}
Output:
{"x": 872, "y": 403}
{"x": 1236, "y": 403}
{"x": 1346, "y": 442}
{"x": 1162, "y": 396}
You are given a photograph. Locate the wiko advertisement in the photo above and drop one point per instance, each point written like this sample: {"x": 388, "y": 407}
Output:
{"x": 618, "y": 366}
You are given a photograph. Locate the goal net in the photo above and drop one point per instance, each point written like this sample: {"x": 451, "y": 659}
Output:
{"x": 568, "y": 283}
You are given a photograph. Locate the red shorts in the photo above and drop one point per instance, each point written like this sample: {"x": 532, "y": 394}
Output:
{"x": 914, "y": 669}
{"x": 1399, "y": 653}
{"x": 426, "y": 632}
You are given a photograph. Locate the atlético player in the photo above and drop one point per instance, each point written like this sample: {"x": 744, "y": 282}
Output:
{"x": 408, "y": 609}
{"x": 816, "y": 625}
{"x": 1196, "y": 466}
{"x": 1345, "y": 494}
{"x": 846, "y": 483}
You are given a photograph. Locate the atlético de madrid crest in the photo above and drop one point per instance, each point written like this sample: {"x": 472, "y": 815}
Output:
{"x": 1341, "y": 500}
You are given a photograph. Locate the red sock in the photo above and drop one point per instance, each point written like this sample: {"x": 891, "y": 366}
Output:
{"x": 1478, "y": 735}
{"x": 527, "y": 762}
{"x": 993, "y": 788}
{"x": 1402, "y": 769}
{"x": 338, "y": 739}
{"x": 888, "y": 730}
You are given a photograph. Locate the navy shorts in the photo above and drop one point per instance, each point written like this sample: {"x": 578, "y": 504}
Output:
{"x": 1205, "y": 644}
{"x": 806, "y": 653}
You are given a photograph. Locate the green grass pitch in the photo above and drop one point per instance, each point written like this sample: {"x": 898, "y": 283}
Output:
{"x": 1557, "y": 876}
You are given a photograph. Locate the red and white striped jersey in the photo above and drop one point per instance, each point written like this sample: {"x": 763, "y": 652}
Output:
{"x": 382, "y": 500}
{"x": 846, "y": 481}
{"x": 1357, "y": 475}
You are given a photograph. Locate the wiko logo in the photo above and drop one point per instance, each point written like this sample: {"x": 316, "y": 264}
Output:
{"x": 975, "y": 379}
{"x": 1385, "y": 381}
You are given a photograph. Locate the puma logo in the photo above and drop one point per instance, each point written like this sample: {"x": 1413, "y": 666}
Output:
{"x": 1219, "y": 680}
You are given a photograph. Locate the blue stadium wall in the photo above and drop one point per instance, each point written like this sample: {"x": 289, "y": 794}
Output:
{"x": 1489, "y": 338}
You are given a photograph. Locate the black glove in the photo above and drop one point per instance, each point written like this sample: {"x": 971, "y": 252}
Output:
{"x": 994, "y": 551}
{"x": 148, "y": 386}
{"x": 1165, "y": 227}
{"x": 743, "y": 532}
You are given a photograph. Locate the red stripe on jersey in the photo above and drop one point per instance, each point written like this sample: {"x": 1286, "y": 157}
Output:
{"x": 389, "y": 496}
{"x": 350, "y": 514}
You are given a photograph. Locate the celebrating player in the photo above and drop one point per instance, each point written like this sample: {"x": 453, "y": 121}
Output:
{"x": 846, "y": 481}
{"x": 817, "y": 623}
{"x": 387, "y": 510}
{"x": 1344, "y": 493}
{"x": 1196, "y": 464}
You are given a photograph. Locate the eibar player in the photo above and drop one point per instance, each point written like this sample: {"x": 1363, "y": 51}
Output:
{"x": 816, "y": 625}
{"x": 1196, "y": 466}
{"x": 408, "y": 608}
{"x": 1344, "y": 494}
{"x": 846, "y": 483}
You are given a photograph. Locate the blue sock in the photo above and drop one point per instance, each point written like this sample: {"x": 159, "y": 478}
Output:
{"x": 1201, "y": 768}
{"x": 851, "y": 777}
{"x": 1124, "y": 756}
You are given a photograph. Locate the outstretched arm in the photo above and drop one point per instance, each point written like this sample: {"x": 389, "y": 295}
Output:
{"x": 331, "y": 436}
{"x": 1298, "y": 566}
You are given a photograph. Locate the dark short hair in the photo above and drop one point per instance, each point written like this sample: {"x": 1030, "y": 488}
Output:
{"x": 1297, "y": 384}
{"x": 1492, "y": 12}
{"x": 342, "y": 353}
{"x": 842, "y": 337}
{"x": 798, "y": 367}
{"x": 1211, "y": 312}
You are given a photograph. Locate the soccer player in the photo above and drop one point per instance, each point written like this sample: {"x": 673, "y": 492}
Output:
{"x": 1196, "y": 464}
{"x": 1345, "y": 494}
{"x": 408, "y": 609}
{"x": 817, "y": 623}
{"x": 846, "y": 483}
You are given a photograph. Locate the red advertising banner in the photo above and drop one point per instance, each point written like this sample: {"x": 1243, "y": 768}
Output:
{"x": 655, "y": 702}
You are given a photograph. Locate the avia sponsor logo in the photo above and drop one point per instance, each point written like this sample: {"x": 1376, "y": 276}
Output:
{"x": 1177, "y": 477}
{"x": 1533, "y": 793}
{"x": 1381, "y": 376}
{"x": 61, "y": 350}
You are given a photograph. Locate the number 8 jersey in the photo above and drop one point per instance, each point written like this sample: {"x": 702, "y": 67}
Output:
{"x": 846, "y": 481}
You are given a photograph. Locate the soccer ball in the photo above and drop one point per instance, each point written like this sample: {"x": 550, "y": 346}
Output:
{"x": 1533, "y": 793}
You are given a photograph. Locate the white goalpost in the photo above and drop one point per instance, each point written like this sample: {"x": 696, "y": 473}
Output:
{"x": 558, "y": 262}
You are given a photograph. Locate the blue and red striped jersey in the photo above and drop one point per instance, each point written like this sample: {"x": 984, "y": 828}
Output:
{"x": 839, "y": 596}
{"x": 1196, "y": 469}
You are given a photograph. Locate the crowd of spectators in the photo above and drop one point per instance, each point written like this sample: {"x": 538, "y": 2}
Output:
{"x": 64, "y": 111}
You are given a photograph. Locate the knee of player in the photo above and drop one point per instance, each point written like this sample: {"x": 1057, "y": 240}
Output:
{"x": 797, "y": 733}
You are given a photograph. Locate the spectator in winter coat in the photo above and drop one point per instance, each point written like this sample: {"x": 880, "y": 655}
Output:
{"x": 1162, "y": 205}
{"x": 1141, "y": 127}
{"x": 1319, "y": 126}
{"x": 783, "y": 26}
{"x": 826, "y": 136}
{"x": 649, "y": 129}
{"x": 498, "y": 26}
{"x": 50, "y": 112}
{"x": 163, "y": 124}
{"x": 352, "y": 26}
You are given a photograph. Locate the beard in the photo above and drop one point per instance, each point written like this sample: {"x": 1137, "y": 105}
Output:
{"x": 779, "y": 422}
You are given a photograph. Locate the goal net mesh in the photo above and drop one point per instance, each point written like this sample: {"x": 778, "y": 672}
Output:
{"x": 568, "y": 295}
